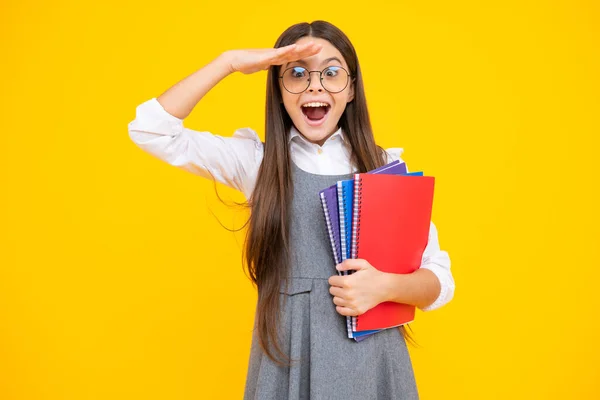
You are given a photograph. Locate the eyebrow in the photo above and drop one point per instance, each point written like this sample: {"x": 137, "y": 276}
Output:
{"x": 323, "y": 63}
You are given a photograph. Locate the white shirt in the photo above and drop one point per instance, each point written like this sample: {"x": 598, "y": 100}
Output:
{"x": 234, "y": 161}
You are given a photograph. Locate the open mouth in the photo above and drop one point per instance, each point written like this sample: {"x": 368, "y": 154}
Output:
{"x": 315, "y": 113}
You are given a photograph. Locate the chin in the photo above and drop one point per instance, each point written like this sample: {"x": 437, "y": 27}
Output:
{"x": 316, "y": 134}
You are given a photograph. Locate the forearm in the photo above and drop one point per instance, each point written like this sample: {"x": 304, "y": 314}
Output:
{"x": 420, "y": 288}
{"x": 180, "y": 99}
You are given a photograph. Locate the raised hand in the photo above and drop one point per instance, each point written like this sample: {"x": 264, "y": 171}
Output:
{"x": 180, "y": 99}
{"x": 249, "y": 61}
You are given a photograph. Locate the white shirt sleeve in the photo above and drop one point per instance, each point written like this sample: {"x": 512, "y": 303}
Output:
{"x": 434, "y": 259}
{"x": 233, "y": 161}
{"x": 438, "y": 262}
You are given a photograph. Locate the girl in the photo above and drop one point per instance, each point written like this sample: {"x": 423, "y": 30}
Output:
{"x": 317, "y": 131}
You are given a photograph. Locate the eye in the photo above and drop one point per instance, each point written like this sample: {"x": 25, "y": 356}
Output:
{"x": 298, "y": 72}
{"x": 331, "y": 71}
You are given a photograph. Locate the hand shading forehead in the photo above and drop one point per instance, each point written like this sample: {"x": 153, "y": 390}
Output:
{"x": 329, "y": 55}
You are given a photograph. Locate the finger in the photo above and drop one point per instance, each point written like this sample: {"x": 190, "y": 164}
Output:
{"x": 352, "y": 264}
{"x": 338, "y": 301}
{"x": 348, "y": 266}
{"x": 276, "y": 55}
{"x": 336, "y": 291}
{"x": 336, "y": 280}
{"x": 308, "y": 46}
{"x": 309, "y": 50}
{"x": 299, "y": 52}
{"x": 273, "y": 50}
{"x": 286, "y": 49}
{"x": 298, "y": 55}
{"x": 282, "y": 52}
{"x": 348, "y": 312}
{"x": 293, "y": 46}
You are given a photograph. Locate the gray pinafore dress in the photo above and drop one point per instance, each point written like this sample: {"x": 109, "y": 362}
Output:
{"x": 330, "y": 365}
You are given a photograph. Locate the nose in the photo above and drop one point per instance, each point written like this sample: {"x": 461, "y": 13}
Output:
{"x": 315, "y": 82}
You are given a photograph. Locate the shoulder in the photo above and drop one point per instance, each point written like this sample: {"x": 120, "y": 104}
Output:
{"x": 247, "y": 133}
{"x": 249, "y": 138}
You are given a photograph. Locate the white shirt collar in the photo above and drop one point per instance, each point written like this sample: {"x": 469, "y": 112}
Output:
{"x": 295, "y": 133}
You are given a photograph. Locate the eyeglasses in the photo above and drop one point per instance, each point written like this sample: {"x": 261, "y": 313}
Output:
{"x": 297, "y": 79}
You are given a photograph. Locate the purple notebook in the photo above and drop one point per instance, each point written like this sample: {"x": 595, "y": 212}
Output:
{"x": 329, "y": 203}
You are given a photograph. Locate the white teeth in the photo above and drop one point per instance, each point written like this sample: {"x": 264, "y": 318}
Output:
{"x": 315, "y": 104}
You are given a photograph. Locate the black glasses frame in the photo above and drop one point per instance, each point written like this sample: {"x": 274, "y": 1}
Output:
{"x": 320, "y": 78}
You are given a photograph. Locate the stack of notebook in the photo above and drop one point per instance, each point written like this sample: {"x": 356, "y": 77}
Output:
{"x": 382, "y": 216}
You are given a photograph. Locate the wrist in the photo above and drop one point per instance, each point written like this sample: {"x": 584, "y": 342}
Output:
{"x": 391, "y": 286}
{"x": 226, "y": 59}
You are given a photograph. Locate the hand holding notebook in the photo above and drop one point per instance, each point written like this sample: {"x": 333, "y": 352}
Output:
{"x": 359, "y": 291}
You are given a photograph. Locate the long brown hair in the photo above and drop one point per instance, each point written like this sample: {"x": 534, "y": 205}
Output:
{"x": 267, "y": 242}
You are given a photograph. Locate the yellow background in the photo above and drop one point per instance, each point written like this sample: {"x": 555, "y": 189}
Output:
{"x": 116, "y": 280}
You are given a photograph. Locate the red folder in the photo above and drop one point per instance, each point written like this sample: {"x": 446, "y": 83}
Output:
{"x": 391, "y": 220}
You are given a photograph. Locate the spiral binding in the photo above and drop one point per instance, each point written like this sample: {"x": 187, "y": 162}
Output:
{"x": 356, "y": 228}
{"x": 356, "y": 215}
{"x": 326, "y": 213}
